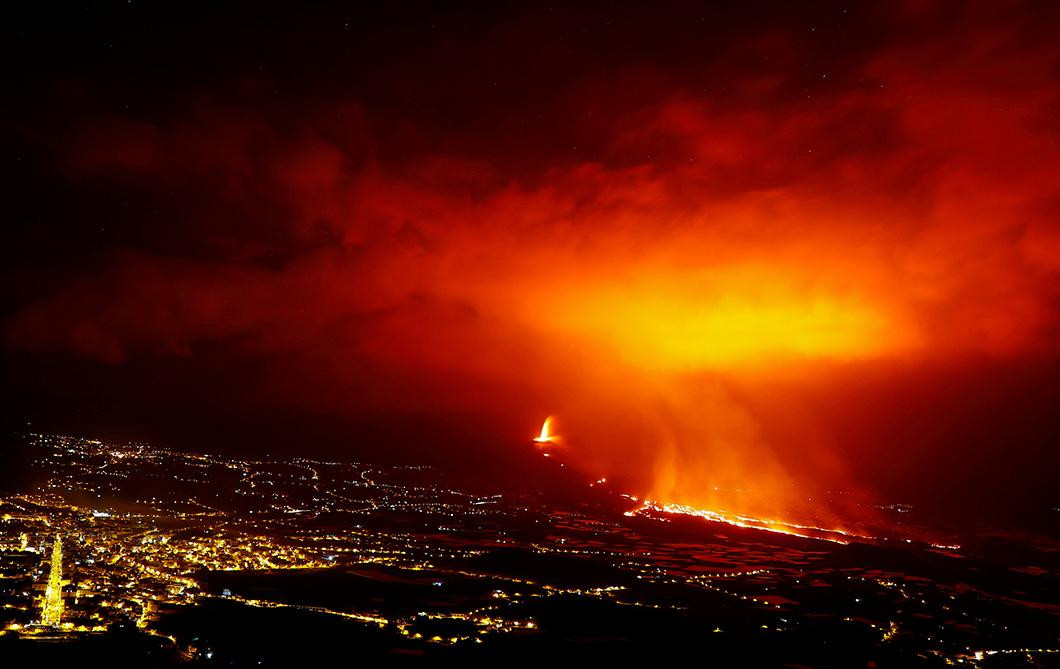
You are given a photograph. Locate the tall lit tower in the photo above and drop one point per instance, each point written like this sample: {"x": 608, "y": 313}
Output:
{"x": 51, "y": 611}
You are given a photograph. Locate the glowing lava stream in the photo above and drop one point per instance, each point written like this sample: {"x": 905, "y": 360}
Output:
{"x": 547, "y": 438}
{"x": 780, "y": 527}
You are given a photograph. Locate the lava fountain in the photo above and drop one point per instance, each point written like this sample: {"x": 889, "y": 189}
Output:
{"x": 546, "y": 436}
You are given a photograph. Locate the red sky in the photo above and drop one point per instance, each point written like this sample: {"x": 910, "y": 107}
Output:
{"x": 782, "y": 251}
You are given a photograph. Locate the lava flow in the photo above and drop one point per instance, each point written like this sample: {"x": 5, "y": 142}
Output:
{"x": 769, "y": 525}
{"x": 647, "y": 506}
{"x": 879, "y": 531}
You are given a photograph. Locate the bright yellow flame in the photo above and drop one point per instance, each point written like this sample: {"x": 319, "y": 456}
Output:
{"x": 546, "y": 436}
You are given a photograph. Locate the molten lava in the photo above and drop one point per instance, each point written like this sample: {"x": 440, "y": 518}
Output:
{"x": 765, "y": 509}
{"x": 769, "y": 525}
{"x": 546, "y": 436}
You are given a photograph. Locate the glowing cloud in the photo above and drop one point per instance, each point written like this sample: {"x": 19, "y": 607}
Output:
{"x": 682, "y": 289}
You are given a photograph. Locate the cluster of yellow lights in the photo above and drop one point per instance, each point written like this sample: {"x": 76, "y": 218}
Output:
{"x": 52, "y": 608}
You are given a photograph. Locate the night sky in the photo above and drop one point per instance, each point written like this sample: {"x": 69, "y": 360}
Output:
{"x": 785, "y": 247}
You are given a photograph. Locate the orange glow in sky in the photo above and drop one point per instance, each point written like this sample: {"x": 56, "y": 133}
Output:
{"x": 722, "y": 319}
{"x": 739, "y": 284}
